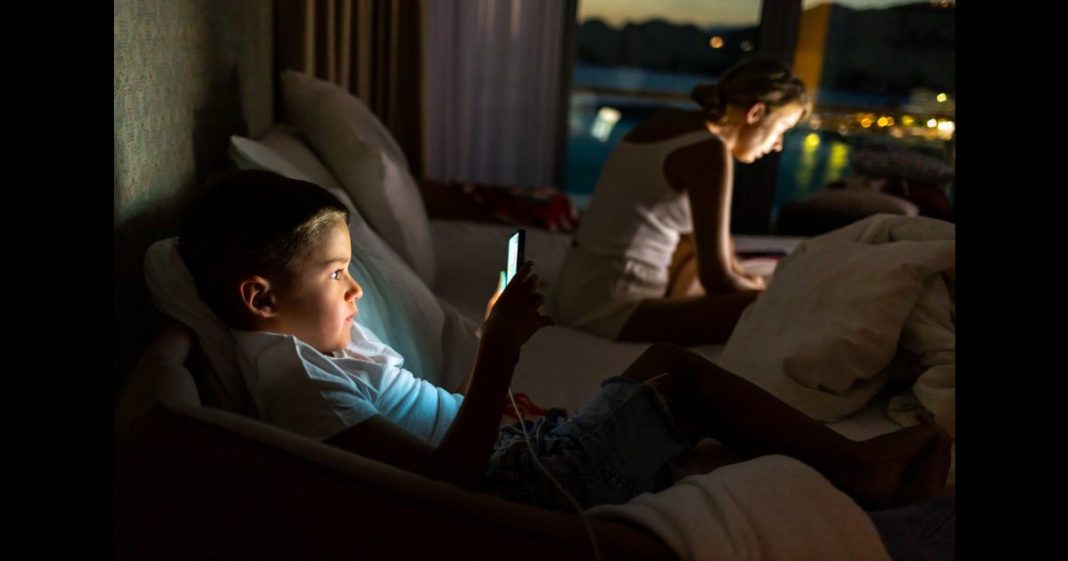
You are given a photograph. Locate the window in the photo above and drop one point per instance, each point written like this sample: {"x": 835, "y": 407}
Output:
{"x": 634, "y": 57}
{"x": 882, "y": 76}
{"x": 881, "y": 72}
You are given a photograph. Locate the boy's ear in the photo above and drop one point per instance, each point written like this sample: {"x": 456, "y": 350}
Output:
{"x": 756, "y": 113}
{"x": 257, "y": 295}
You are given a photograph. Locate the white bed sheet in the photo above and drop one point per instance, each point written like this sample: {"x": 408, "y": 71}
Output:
{"x": 562, "y": 367}
{"x": 470, "y": 254}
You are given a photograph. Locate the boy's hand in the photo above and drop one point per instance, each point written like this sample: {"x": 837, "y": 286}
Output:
{"x": 515, "y": 317}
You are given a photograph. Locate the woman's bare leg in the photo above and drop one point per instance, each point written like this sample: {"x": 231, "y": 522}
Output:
{"x": 898, "y": 468}
{"x": 686, "y": 321}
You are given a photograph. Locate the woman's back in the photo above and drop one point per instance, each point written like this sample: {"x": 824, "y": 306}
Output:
{"x": 635, "y": 213}
{"x": 665, "y": 124}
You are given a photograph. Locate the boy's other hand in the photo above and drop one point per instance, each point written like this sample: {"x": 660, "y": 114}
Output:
{"x": 514, "y": 318}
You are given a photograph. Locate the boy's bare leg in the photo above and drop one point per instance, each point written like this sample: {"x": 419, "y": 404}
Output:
{"x": 890, "y": 470}
{"x": 688, "y": 320}
{"x": 925, "y": 476}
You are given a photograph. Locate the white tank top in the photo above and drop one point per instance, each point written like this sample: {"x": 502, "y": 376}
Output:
{"x": 634, "y": 212}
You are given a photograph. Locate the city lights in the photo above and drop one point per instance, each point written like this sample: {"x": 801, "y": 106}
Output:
{"x": 606, "y": 120}
{"x": 903, "y": 96}
{"x": 812, "y": 141}
{"x": 836, "y": 162}
{"x": 902, "y": 126}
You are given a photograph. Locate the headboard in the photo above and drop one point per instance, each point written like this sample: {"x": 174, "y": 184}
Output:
{"x": 188, "y": 74}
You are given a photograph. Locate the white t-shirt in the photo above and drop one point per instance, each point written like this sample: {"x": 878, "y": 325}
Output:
{"x": 295, "y": 387}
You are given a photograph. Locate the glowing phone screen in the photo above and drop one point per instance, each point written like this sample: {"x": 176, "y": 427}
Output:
{"x": 515, "y": 254}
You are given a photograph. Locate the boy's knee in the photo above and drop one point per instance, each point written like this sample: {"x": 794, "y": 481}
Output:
{"x": 660, "y": 358}
{"x": 666, "y": 350}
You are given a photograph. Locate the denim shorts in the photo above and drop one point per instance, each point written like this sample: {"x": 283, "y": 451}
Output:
{"x": 920, "y": 532}
{"x": 617, "y": 446}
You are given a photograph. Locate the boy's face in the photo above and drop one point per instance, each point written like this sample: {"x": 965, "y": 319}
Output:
{"x": 320, "y": 305}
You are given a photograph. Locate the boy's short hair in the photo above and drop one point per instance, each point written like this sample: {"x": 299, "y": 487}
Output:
{"x": 251, "y": 222}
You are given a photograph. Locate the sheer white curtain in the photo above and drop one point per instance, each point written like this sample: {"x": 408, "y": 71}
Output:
{"x": 492, "y": 79}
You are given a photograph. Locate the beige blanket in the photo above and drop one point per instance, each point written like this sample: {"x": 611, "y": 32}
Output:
{"x": 772, "y": 507}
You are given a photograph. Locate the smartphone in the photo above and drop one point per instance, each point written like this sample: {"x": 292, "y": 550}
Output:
{"x": 516, "y": 249}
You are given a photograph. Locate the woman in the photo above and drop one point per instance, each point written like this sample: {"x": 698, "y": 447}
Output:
{"x": 671, "y": 175}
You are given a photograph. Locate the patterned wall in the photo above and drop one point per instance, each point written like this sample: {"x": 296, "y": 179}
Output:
{"x": 188, "y": 74}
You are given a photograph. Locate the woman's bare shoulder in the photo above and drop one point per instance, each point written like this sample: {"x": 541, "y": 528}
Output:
{"x": 709, "y": 158}
{"x": 664, "y": 124}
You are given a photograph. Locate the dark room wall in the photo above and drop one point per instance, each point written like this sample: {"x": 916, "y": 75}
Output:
{"x": 188, "y": 74}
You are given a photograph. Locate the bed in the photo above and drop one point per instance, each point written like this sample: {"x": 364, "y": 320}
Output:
{"x": 426, "y": 281}
{"x": 562, "y": 366}
{"x": 455, "y": 263}
{"x": 559, "y": 366}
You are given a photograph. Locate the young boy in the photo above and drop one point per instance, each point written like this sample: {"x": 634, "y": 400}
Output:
{"x": 270, "y": 256}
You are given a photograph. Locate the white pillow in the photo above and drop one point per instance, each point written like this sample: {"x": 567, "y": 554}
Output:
{"x": 828, "y": 327}
{"x": 306, "y": 90}
{"x": 436, "y": 341}
{"x": 174, "y": 293}
{"x": 365, "y": 159}
{"x": 857, "y": 202}
{"x": 283, "y": 143}
{"x": 252, "y": 154}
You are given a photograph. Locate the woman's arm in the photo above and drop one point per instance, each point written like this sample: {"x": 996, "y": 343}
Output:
{"x": 462, "y": 454}
{"x": 704, "y": 171}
